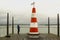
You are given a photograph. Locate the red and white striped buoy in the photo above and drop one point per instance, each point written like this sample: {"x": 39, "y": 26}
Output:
{"x": 33, "y": 25}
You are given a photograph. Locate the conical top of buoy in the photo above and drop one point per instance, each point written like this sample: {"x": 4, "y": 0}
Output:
{"x": 33, "y": 10}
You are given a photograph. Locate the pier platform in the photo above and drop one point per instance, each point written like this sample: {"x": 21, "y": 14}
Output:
{"x": 24, "y": 37}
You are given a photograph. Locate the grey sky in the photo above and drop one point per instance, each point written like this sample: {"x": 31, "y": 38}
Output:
{"x": 21, "y": 10}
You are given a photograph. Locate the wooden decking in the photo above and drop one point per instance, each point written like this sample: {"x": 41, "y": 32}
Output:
{"x": 24, "y": 37}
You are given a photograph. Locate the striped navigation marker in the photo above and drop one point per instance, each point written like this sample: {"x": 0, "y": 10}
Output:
{"x": 33, "y": 25}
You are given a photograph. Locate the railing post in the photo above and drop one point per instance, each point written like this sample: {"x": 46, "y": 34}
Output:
{"x": 48, "y": 25}
{"x": 12, "y": 25}
{"x": 58, "y": 25}
{"x": 7, "y": 25}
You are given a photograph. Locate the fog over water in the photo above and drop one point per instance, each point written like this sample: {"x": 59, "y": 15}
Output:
{"x": 21, "y": 10}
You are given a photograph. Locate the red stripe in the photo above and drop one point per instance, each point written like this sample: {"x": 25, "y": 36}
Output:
{"x": 33, "y": 10}
{"x": 33, "y": 29}
{"x": 33, "y": 19}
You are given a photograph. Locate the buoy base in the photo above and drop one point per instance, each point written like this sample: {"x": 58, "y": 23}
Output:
{"x": 33, "y": 35}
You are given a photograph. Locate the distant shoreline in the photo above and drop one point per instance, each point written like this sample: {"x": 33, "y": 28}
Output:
{"x": 25, "y": 24}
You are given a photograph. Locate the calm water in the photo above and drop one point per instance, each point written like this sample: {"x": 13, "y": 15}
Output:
{"x": 25, "y": 29}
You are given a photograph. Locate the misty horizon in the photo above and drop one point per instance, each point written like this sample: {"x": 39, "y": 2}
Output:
{"x": 21, "y": 11}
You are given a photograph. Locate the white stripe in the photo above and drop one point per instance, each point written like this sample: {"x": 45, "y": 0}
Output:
{"x": 33, "y": 32}
{"x": 33, "y": 14}
{"x": 33, "y": 25}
